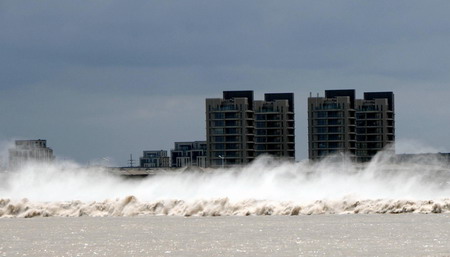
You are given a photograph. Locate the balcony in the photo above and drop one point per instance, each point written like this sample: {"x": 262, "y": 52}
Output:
{"x": 225, "y": 108}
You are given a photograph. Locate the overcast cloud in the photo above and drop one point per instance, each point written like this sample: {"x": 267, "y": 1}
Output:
{"x": 108, "y": 78}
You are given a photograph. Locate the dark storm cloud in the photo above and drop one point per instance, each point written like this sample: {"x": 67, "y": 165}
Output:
{"x": 296, "y": 34}
{"x": 65, "y": 64}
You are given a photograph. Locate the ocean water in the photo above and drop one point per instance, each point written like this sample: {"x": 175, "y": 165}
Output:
{"x": 308, "y": 235}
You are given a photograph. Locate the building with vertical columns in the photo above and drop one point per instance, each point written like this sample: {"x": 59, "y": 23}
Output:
{"x": 359, "y": 128}
{"x": 187, "y": 154}
{"x": 238, "y": 129}
{"x": 230, "y": 129}
{"x": 375, "y": 124}
{"x": 331, "y": 124}
{"x": 275, "y": 125}
{"x": 154, "y": 159}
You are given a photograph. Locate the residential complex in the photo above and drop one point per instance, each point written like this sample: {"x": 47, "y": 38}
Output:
{"x": 339, "y": 123}
{"x": 238, "y": 128}
{"x": 188, "y": 154}
{"x": 154, "y": 159}
{"x": 29, "y": 150}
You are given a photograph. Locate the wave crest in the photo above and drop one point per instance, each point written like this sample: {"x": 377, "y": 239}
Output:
{"x": 131, "y": 206}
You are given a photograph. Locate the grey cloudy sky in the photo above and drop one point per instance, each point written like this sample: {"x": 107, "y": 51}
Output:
{"x": 108, "y": 78}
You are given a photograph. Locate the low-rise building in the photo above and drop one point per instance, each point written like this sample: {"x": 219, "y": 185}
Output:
{"x": 154, "y": 159}
{"x": 423, "y": 158}
{"x": 189, "y": 154}
{"x": 29, "y": 151}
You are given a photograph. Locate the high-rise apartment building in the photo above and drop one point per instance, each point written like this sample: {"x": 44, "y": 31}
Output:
{"x": 339, "y": 123}
{"x": 331, "y": 123}
{"x": 29, "y": 150}
{"x": 230, "y": 129}
{"x": 275, "y": 126}
{"x": 239, "y": 129}
{"x": 375, "y": 124}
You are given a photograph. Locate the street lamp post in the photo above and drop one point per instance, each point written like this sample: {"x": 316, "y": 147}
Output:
{"x": 223, "y": 159}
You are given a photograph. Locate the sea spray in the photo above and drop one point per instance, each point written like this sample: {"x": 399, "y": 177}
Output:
{"x": 265, "y": 187}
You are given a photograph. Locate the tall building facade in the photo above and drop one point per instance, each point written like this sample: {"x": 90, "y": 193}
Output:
{"x": 238, "y": 128}
{"x": 340, "y": 123}
{"x": 189, "y": 154}
{"x": 375, "y": 124}
{"x": 275, "y": 125}
{"x": 29, "y": 150}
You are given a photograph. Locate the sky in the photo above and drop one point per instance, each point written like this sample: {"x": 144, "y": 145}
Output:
{"x": 101, "y": 80}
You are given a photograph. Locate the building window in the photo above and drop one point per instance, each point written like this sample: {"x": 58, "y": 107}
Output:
{"x": 321, "y": 137}
{"x": 218, "y": 115}
{"x": 219, "y": 139}
{"x": 260, "y": 116}
{"x": 321, "y": 114}
{"x": 321, "y": 122}
{"x": 321, "y": 130}
{"x": 217, "y": 131}
{"x": 260, "y": 124}
{"x": 219, "y": 146}
{"x": 218, "y": 123}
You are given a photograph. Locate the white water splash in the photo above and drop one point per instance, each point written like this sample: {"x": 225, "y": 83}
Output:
{"x": 276, "y": 187}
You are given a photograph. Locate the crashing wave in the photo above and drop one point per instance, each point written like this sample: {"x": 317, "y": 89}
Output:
{"x": 265, "y": 187}
{"x": 131, "y": 206}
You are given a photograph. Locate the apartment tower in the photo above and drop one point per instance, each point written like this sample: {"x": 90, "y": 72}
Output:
{"x": 358, "y": 128}
{"x": 375, "y": 124}
{"x": 274, "y": 125}
{"x": 239, "y": 129}
{"x": 331, "y": 124}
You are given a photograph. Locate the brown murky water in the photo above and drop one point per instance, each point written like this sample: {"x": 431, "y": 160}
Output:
{"x": 316, "y": 235}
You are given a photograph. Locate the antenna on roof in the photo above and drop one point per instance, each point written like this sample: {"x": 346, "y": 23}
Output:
{"x": 131, "y": 161}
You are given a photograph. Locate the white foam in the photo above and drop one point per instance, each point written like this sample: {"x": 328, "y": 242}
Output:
{"x": 264, "y": 187}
